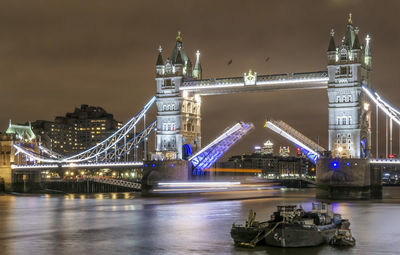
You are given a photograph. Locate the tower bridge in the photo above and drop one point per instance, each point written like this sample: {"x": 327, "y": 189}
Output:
{"x": 180, "y": 87}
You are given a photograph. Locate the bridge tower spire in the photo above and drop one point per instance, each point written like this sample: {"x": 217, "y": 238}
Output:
{"x": 349, "y": 109}
{"x": 178, "y": 112}
{"x": 197, "y": 71}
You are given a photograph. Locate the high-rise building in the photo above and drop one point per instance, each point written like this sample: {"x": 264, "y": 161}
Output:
{"x": 76, "y": 131}
{"x": 268, "y": 148}
{"x": 349, "y": 66}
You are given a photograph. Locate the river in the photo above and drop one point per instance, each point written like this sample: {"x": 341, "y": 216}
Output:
{"x": 126, "y": 223}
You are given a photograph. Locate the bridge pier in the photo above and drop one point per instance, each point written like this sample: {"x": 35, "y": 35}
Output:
{"x": 348, "y": 179}
{"x": 5, "y": 178}
{"x": 165, "y": 171}
{"x": 6, "y": 158}
{"x": 26, "y": 181}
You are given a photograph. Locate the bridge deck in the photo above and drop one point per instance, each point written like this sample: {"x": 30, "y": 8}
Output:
{"x": 216, "y": 86}
{"x": 135, "y": 164}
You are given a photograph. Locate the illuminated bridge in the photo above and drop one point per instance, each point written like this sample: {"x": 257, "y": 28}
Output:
{"x": 177, "y": 127}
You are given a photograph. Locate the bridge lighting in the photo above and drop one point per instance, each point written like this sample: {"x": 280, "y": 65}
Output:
{"x": 197, "y": 97}
{"x": 322, "y": 80}
{"x": 385, "y": 107}
{"x": 366, "y": 106}
{"x": 348, "y": 164}
{"x": 335, "y": 165}
{"x": 340, "y": 149}
{"x": 113, "y": 174}
{"x": 296, "y": 137}
{"x": 197, "y": 184}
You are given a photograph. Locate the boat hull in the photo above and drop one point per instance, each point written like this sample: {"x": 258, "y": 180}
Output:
{"x": 296, "y": 235}
{"x": 241, "y": 234}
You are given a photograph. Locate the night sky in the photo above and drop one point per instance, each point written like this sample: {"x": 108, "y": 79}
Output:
{"x": 56, "y": 55}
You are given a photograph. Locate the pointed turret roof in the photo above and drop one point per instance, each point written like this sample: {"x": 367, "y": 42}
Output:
{"x": 350, "y": 34}
{"x": 356, "y": 44}
{"x": 22, "y": 132}
{"x": 197, "y": 66}
{"x": 178, "y": 48}
{"x": 179, "y": 58}
{"x": 189, "y": 63}
{"x": 332, "y": 46}
{"x": 367, "y": 46}
{"x": 160, "y": 60}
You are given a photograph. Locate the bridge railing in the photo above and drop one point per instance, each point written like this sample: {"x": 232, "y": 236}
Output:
{"x": 117, "y": 182}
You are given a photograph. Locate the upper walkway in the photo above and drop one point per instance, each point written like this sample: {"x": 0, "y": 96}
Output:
{"x": 217, "y": 86}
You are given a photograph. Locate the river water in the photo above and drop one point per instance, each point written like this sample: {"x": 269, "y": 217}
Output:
{"x": 129, "y": 224}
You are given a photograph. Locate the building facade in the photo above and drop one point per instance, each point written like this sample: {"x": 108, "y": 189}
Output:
{"x": 76, "y": 131}
{"x": 178, "y": 113}
{"x": 272, "y": 166}
{"x": 349, "y": 66}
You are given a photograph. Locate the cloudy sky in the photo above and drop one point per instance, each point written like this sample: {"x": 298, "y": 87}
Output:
{"x": 56, "y": 55}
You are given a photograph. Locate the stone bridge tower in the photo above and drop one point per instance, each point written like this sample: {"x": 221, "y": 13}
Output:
{"x": 349, "y": 67}
{"x": 178, "y": 113}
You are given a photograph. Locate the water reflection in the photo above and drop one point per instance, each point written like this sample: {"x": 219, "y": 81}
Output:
{"x": 125, "y": 223}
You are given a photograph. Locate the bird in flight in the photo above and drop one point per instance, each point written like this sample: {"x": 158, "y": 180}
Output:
{"x": 229, "y": 62}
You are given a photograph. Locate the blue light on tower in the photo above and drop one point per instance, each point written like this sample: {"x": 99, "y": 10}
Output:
{"x": 335, "y": 165}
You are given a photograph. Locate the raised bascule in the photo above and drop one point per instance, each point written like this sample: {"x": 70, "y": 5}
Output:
{"x": 344, "y": 170}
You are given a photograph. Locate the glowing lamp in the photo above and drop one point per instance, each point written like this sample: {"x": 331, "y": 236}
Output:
{"x": 335, "y": 165}
{"x": 366, "y": 106}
